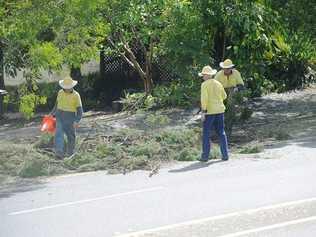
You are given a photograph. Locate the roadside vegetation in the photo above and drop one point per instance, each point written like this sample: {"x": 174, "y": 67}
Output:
{"x": 163, "y": 45}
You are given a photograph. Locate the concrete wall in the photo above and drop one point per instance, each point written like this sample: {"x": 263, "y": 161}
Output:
{"x": 87, "y": 68}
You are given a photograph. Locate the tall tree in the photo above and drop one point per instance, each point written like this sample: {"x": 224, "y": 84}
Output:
{"x": 136, "y": 28}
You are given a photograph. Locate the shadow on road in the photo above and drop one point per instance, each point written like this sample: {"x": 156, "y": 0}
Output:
{"x": 20, "y": 186}
{"x": 195, "y": 166}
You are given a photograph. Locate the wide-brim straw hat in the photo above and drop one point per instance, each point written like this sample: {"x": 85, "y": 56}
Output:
{"x": 227, "y": 64}
{"x": 208, "y": 70}
{"x": 67, "y": 83}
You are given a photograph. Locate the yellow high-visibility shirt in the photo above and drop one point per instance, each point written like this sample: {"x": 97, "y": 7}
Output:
{"x": 68, "y": 101}
{"x": 212, "y": 97}
{"x": 229, "y": 81}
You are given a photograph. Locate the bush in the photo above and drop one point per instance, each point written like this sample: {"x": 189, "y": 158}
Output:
{"x": 147, "y": 149}
{"x": 188, "y": 154}
{"x": 157, "y": 120}
{"x": 252, "y": 149}
{"x": 138, "y": 101}
{"x": 46, "y": 140}
{"x": 180, "y": 93}
{"x": 287, "y": 66}
{"x": 181, "y": 138}
{"x": 36, "y": 166}
{"x": 28, "y": 104}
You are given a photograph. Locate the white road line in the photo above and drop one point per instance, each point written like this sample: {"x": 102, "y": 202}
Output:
{"x": 187, "y": 223}
{"x": 271, "y": 227}
{"x": 85, "y": 201}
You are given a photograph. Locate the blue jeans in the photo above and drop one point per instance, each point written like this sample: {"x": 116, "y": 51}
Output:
{"x": 216, "y": 120}
{"x": 64, "y": 127}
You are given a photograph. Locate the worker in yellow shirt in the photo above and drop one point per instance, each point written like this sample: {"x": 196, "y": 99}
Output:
{"x": 68, "y": 112}
{"x": 231, "y": 80}
{"x": 213, "y": 108}
{"x": 229, "y": 76}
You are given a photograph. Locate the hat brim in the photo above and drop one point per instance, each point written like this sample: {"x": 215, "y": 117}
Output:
{"x": 67, "y": 87}
{"x": 210, "y": 74}
{"x": 227, "y": 66}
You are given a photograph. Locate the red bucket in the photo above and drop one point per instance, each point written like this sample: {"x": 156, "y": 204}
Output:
{"x": 48, "y": 124}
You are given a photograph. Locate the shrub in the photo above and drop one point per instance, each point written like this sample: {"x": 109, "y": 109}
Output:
{"x": 188, "y": 154}
{"x": 138, "y": 101}
{"x": 147, "y": 149}
{"x": 157, "y": 120}
{"x": 180, "y": 93}
{"x": 287, "y": 67}
{"x": 177, "y": 137}
{"x": 252, "y": 149}
{"x": 28, "y": 104}
{"x": 36, "y": 166}
{"x": 46, "y": 140}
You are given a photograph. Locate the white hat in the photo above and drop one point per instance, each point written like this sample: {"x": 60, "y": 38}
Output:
{"x": 227, "y": 64}
{"x": 67, "y": 83}
{"x": 207, "y": 70}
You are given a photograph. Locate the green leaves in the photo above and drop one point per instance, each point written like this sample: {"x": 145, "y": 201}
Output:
{"x": 46, "y": 55}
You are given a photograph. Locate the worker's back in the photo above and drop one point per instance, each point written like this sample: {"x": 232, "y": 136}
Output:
{"x": 213, "y": 96}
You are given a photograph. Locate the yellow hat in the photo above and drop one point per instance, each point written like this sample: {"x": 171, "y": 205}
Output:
{"x": 207, "y": 70}
{"x": 227, "y": 64}
{"x": 67, "y": 83}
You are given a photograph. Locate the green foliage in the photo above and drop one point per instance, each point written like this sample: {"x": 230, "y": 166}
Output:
{"x": 47, "y": 56}
{"x": 46, "y": 140}
{"x": 6, "y": 100}
{"x": 37, "y": 166}
{"x": 237, "y": 110}
{"x": 189, "y": 154}
{"x": 288, "y": 63}
{"x": 178, "y": 138}
{"x": 48, "y": 90}
{"x": 138, "y": 101}
{"x": 252, "y": 149}
{"x": 180, "y": 93}
{"x": 24, "y": 161}
{"x": 157, "y": 120}
{"x": 184, "y": 40}
{"x": 216, "y": 152}
{"x": 297, "y": 15}
{"x": 147, "y": 149}
{"x": 28, "y": 104}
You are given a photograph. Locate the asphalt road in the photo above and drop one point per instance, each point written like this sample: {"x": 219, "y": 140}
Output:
{"x": 242, "y": 197}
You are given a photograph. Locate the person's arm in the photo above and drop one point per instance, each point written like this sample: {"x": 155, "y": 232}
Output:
{"x": 79, "y": 109}
{"x": 204, "y": 100}
{"x": 53, "y": 111}
{"x": 79, "y": 114}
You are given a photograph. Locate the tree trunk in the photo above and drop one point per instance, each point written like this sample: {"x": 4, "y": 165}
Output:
{"x": 75, "y": 73}
{"x": 2, "y": 86}
{"x": 219, "y": 45}
{"x": 148, "y": 77}
{"x": 130, "y": 58}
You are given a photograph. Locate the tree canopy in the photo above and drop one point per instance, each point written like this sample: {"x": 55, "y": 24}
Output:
{"x": 272, "y": 42}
